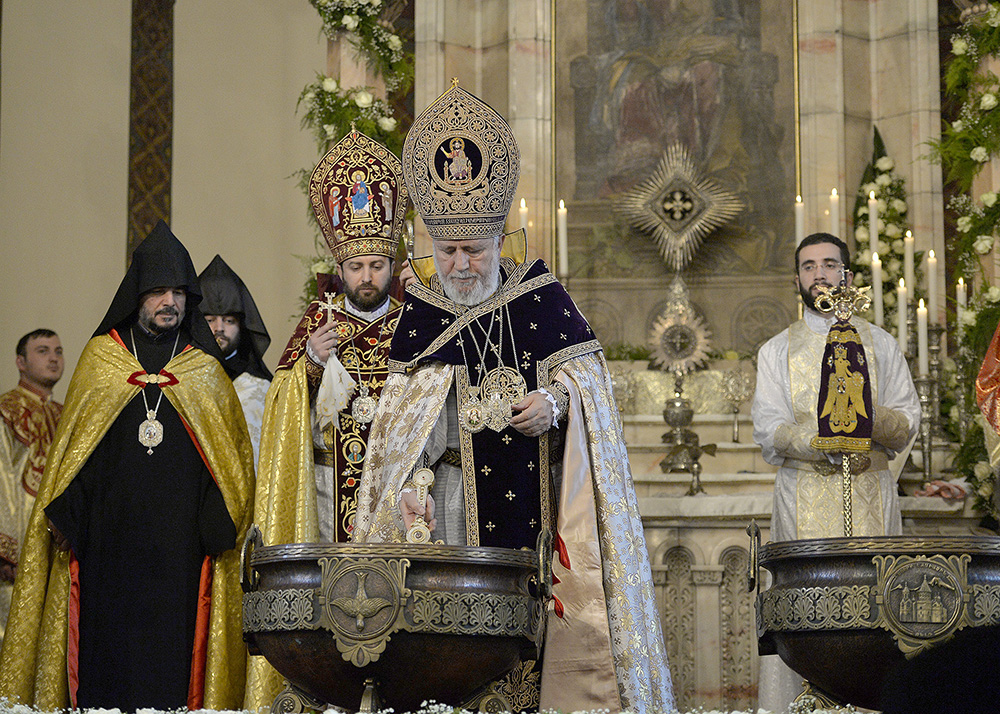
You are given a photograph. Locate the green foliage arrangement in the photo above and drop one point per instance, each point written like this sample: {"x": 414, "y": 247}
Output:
{"x": 329, "y": 110}
{"x": 966, "y": 145}
{"x": 880, "y": 178}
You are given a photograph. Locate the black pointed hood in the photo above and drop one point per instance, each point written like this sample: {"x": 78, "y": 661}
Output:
{"x": 224, "y": 293}
{"x": 160, "y": 261}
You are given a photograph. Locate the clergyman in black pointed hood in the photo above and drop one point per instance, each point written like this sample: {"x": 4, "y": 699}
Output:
{"x": 235, "y": 322}
{"x": 224, "y": 294}
{"x": 147, "y": 488}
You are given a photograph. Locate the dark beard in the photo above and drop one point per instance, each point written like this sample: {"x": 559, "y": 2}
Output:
{"x": 807, "y": 299}
{"x": 363, "y": 303}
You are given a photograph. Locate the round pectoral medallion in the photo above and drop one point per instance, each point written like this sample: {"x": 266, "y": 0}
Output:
{"x": 150, "y": 432}
{"x": 363, "y": 409}
{"x": 472, "y": 416}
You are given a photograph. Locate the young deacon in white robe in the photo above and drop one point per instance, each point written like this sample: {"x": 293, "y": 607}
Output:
{"x": 808, "y": 501}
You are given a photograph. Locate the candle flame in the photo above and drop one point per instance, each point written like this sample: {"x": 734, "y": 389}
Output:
{"x": 833, "y": 192}
{"x": 874, "y": 257}
{"x": 798, "y": 199}
{"x": 961, "y": 281}
{"x": 909, "y": 234}
{"x": 930, "y": 255}
{"x": 902, "y": 284}
{"x": 921, "y": 305}
{"x": 562, "y": 207}
{"x": 871, "y": 195}
{"x": 523, "y": 204}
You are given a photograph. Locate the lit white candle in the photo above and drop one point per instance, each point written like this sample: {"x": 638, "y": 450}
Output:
{"x": 562, "y": 242}
{"x": 921, "y": 339}
{"x": 800, "y": 220}
{"x": 908, "y": 261}
{"x": 901, "y": 314}
{"x": 834, "y": 213}
{"x": 523, "y": 213}
{"x": 873, "y": 219}
{"x": 932, "y": 292}
{"x": 877, "y": 290}
{"x": 961, "y": 301}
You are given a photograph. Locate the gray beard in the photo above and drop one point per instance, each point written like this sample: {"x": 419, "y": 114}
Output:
{"x": 480, "y": 292}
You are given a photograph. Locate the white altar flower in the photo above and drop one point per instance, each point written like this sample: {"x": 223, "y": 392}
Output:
{"x": 983, "y": 244}
{"x": 868, "y": 188}
{"x": 969, "y": 317}
{"x": 979, "y": 154}
{"x": 883, "y": 248}
{"x": 375, "y": 3}
{"x": 884, "y": 163}
{"x": 899, "y": 205}
{"x": 395, "y": 44}
{"x": 865, "y": 257}
{"x": 958, "y": 125}
{"x": 963, "y": 224}
{"x": 308, "y": 97}
{"x": 989, "y": 199}
{"x": 891, "y": 230}
{"x": 350, "y": 22}
{"x": 987, "y": 101}
{"x": 386, "y": 123}
{"x": 883, "y": 179}
{"x": 888, "y": 298}
{"x": 959, "y": 46}
{"x": 897, "y": 246}
{"x": 882, "y": 206}
{"x": 986, "y": 488}
{"x": 329, "y": 84}
{"x": 894, "y": 266}
{"x": 363, "y": 99}
{"x": 861, "y": 234}
{"x": 993, "y": 294}
{"x": 330, "y": 130}
{"x": 321, "y": 266}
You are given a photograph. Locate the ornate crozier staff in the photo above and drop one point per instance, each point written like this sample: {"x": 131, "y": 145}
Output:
{"x": 845, "y": 411}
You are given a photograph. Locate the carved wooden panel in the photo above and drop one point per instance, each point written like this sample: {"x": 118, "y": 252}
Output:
{"x": 678, "y": 607}
{"x": 151, "y": 117}
{"x": 738, "y": 649}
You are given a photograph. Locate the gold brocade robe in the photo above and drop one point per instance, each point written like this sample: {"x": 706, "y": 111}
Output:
{"x": 286, "y": 508}
{"x": 33, "y": 662}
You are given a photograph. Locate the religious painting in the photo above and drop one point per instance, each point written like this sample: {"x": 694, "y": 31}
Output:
{"x": 639, "y": 81}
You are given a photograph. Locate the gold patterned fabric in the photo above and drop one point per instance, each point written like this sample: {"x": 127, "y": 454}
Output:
{"x": 607, "y": 649}
{"x": 33, "y": 662}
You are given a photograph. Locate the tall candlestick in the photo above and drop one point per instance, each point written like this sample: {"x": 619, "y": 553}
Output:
{"x": 873, "y": 219}
{"x": 921, "y": 339}
{"x": 800, "y": 220}
{"x": 877, "y": 290}
{"x": 932, "y": 295}
{"x": 901, "y": 315}
{"x": 908, "y": 262}
{"x": 834, "y": 213}
{"x": 523, "y": 213}
{"x": 562, "y": 243}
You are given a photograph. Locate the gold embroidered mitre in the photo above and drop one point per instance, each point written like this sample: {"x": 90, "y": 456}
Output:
{"x": 359, "y": 198}
{"x": 461, "y": 165}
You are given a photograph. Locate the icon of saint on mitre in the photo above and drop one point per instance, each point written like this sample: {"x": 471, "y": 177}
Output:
{"x": 458, "y": 168}
{"x": 360, "y": 197}
{"x": 333, "y": 206}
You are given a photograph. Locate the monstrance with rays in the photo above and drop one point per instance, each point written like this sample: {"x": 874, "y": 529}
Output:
{"x": 680, "y": 343}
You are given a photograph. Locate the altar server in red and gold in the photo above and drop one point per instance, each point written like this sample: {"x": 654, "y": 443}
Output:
{"x": 28, "y": 418}
{"x": 320, "y": 405}
{"x": 128, "y": 589}
{"x": 499, "y": 386}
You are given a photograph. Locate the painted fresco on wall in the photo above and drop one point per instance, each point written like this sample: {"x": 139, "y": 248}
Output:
{"x": 637, "y": 76}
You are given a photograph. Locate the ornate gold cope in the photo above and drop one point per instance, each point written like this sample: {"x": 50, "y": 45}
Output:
{"x": 845, "y": 301}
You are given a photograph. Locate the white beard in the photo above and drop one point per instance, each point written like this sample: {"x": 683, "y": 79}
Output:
{"x": 480, "y": 290}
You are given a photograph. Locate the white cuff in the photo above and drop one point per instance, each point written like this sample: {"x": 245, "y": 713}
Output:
{"x": 551, "y": 400}
{"x": 313, "y": 356}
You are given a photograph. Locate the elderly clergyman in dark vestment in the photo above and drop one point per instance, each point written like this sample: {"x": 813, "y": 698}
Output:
{"x": 128, "y": 594}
